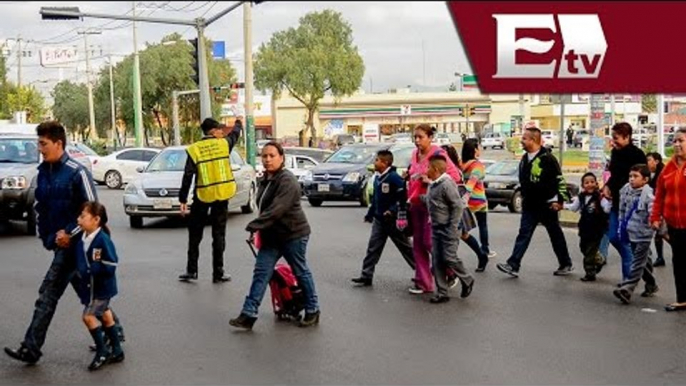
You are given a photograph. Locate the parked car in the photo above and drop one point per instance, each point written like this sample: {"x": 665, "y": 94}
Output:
{"x": 343, "y": 176}
{"x": 260, "y": 144}
{"x": 442, "y": 139}
{"x": 580, "y": 137}
{"x": 119, "y": 168}
{"x": 319, "y": 155}
{"x": 299, "y": 165}
{"x": 503, "y": 188}
{"x": 155, "y": 192}
{"x": 550, "y": 138}
{"x": 19, "y": 160}
{"x": 401, "y": 138}
{"x": 341, "y": 140}
{"x": 493, "y": 140}
{"x": 91, "y": 154}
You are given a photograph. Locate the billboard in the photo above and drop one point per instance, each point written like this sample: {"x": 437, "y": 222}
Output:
{"x": 52, "y": 56}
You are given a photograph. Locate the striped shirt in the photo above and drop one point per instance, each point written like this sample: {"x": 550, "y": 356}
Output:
{"x": 474, "y": 173}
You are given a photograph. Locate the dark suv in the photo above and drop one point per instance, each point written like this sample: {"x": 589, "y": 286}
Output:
{"x": 343, "y": 176}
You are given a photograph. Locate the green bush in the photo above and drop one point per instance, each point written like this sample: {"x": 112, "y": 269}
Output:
{"x": 513, "y": 144}
{"x": 99, "y": 146}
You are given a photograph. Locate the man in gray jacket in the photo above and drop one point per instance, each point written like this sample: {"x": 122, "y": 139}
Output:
{"x": 635, "y": 207}
{"x": 445, "y": 208}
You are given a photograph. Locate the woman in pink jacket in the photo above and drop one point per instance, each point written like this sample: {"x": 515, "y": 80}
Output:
{"x": 419, "y": 215}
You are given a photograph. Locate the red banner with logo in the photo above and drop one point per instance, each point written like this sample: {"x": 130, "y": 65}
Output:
{"x": 574, "y": 46}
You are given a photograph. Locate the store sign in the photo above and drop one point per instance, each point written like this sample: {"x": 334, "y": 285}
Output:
{"x": 50, "y": 56}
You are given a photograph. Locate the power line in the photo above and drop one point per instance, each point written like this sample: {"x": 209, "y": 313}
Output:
{"x": 47, "y": 41}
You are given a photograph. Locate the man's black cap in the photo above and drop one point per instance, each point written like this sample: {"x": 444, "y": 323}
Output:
{"x": 209, "y": 124}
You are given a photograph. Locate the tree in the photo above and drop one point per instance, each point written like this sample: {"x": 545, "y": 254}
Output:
{"x": 316, "y": 58}
{"x": 649, "y": 103}
{"x": 71, "y": 106}
{"x": 165, "y": 67}
{"x": 26, "y": 98}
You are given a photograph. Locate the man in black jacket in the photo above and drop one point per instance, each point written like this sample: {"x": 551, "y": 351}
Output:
{"x": 624, "y": 156}
{"x": 543, "y": 192}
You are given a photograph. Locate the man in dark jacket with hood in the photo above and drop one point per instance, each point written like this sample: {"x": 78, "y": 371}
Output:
{"x": 543, "y": 191}
{"x": 624, "y": 156}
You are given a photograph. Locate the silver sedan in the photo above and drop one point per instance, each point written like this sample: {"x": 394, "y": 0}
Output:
{"x": 155, "y": 193}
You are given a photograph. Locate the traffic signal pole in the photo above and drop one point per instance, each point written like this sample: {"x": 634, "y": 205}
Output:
{"x": 203, "y": 76}
{"x": 250, "y": 144}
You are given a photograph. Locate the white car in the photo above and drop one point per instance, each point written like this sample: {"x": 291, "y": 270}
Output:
{"x": 299, "y": 165}
{"x": 119, "y": 168}
{"x": 493, "y": 140}
{"x": 550, "y": 138}
{"x": 155, "y": 191}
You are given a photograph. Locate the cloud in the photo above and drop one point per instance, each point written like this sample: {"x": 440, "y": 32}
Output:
{"x": 401, "y": 42}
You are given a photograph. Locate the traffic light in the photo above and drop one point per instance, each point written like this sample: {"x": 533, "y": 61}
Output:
{"x": 216, "y": 89}
{"x": 195, "y": 62}
{"x": 466, "y": 111}
{"x": 238, "y": 85}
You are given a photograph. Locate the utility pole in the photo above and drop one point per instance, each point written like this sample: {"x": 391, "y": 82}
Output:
{"x": 249, "y": 119}
{"x": 113, "y": 138}
{"x": 91, "y": 108}
{"x": 661, "y": 124}
{"x": 175, "y": 113}
{"x": 137, "y": 93}
{"x": 521, "y": 113}
{"x": 203, "y": 76}
{"x": 19, "y": 61}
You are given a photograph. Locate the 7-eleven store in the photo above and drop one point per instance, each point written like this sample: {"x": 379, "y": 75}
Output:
{"x": 391, "y": 113}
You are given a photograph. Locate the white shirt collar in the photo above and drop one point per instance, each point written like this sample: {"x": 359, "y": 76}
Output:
{"x": 388, "y": 169}
{"x": 441, "y": 178}
{"x": 88, "y": 240}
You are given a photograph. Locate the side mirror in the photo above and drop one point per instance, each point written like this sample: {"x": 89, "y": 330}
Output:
{"x": 140, "y": 169}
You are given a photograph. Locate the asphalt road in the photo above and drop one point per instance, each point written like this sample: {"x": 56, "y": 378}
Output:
{"x": 538, "y": 329}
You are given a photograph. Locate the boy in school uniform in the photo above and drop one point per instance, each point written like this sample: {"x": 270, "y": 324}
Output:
{"x": 387, "y": 214}
{"x": 445, "y": 210}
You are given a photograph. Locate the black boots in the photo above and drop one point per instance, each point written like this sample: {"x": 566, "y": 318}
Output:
{"x": 243, "y": 321}
{"x": 22, "y": 354}
{"x": 187, "y": 277}
{"x": 102, "y": 354}
{"x": 220, "y": 279}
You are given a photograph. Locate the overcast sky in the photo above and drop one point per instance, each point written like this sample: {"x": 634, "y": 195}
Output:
{"x": 402, "y": 43}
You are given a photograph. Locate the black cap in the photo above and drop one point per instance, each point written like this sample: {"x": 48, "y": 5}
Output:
{"x": 210, "y": 123}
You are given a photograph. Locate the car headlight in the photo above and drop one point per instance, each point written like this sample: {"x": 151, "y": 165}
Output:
{"x": 351, "y": 177}
{"x": 131, "y": 189}
{"x": 14, "y": 183}
{"x": 307, "y": 177}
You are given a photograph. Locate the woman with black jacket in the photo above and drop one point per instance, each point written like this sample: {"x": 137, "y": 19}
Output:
{"x": 656, "y": 166}
{"x": 283, "y": 231}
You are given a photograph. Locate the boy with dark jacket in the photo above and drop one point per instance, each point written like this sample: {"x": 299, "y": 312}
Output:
{"x": 543, "y": 192}
{"x": 387, "y": 214}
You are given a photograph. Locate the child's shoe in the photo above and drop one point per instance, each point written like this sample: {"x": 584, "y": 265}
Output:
{"x": 588, "y": 277}
{"x": 650, "y": 291}
{"x": 623, "y": 295}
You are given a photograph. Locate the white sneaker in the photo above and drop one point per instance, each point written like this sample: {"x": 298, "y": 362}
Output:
{"x": 492, "y": 254}
{"x": 416, "y": 290}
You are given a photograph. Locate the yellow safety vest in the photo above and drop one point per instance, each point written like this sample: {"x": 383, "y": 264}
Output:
{"x": 214, "y": 180}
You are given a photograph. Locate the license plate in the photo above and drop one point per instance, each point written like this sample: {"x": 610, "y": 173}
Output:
{"x": 162, "y": 203}
{"x": 323, "y": 187}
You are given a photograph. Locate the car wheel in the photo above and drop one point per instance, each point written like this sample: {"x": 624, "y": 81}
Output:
{"x": 31, "y": 222}
{"x": 515, "y": 206}
{"x": 251, "y": 206}
{"x": 315, "y": 202}
{"x": 136, "y": 222}
{"x": 113, "y": 179}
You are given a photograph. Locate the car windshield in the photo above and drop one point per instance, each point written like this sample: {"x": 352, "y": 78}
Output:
{"x": 502, "y": 169}
{"x": 168, "y": 161}
{"x": 354, "y": 155}
{"x": 317, "y": 154}
{"x": 85, "y": 149}
{"x": 18, "y": 150}
{"x": 402, "y": 156}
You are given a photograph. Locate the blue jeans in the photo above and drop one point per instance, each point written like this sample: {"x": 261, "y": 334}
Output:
{"x": 528, "y": 222}
{"x": 294, "y": 253}
{"x": 623, "y": 249}
{"x": 482, "y": 221}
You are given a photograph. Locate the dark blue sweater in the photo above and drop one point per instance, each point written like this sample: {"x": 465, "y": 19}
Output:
{"x": 390, "y": 194}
